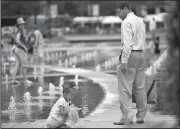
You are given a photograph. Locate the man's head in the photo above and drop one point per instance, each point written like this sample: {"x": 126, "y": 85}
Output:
{"x": 123, "y": 10}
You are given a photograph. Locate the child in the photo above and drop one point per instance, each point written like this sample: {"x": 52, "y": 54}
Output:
{"x": 59, "y": 112}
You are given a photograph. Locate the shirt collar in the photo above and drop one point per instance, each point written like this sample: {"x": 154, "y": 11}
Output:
{"x": 129, "y": 14}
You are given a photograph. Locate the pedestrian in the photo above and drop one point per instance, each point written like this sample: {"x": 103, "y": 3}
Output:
{"x": 37, "y": 53}
{"x": 156, "y": 43}
{"x": 36, "y": 38}
{"x": 131, "y": 66}
{"x": 21, "y": 48}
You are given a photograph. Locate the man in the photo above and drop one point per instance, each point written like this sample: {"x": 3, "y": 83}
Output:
{"x": 131, "y": 66}
{"x": 21, "y": 49}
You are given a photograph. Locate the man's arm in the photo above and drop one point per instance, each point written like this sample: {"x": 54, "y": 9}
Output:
{"x": 127, "y": 41}
{"x": 144, "y": 36}
{"x": 17, "y": 40}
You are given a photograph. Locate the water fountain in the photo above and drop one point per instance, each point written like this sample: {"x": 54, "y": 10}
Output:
{"x": 82, "y": 57}
{"x": 86, "y": 56}
{"x": 40, "y": 104}
{"x": 12, "y": 108}
{"x": 105, "y": 65}
{"x": 56, "y": 56}
{"x": 53, "y": 57}
{"x": 27, "y": 105}
{"x": 90, "y": 56}
{"x": 66, "y": 62}
{"x": 110, "y": 63}
{"x": 94, "y": 53}
{"x": 75, "y": 59}
{"x": 61, "y": 82}
{"x": 40, "y": 89}
{"x": 41, "y": 76}
{"x": 70, "y": 61}
{"x": 4, "y": 68}
{"x": 35, "y": 72}
{"x": 98, "y": 68}
{"x": 6, "y": 82}
{"x": 51, "y": 87}
{"x": 48, "y": 57}
{"x": 60, "y": 63}
{"x": 76, "y": 80}
{"x": 27, "y": 97}
{"x": 59, "y": 54}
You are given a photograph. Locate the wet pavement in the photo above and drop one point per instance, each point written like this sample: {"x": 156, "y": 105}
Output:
{"x": 107, "y": 111}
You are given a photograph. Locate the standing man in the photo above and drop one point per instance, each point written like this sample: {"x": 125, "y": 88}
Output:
{"x": 21, "y": 49}
{"x": 131, "y": 66}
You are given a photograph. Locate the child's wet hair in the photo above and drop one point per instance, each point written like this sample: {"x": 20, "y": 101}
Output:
{"x": 67, "y": 88}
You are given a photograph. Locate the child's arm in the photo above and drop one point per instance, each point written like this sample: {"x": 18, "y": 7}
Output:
{"x": 64, "y": 110}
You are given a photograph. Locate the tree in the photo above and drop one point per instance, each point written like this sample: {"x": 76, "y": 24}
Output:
{"x": 71, "y": 8}
{"x": 10, "y": 8}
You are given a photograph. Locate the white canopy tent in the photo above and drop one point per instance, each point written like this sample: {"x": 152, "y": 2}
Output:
{"x": 87, "y": 19}
{"x": 80, "y": 19}
{"x": 111, "y": 20}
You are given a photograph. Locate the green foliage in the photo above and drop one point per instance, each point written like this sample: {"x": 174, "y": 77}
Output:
{"x": 10, "y": 8}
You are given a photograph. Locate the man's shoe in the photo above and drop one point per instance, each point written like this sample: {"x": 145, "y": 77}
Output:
{"x": 119, "y": 123}
{"x": 139, "y": 120}
{"x": 123, "y": 121}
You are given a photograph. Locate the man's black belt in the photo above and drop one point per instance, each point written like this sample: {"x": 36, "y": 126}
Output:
{"x": 137, "y": 50}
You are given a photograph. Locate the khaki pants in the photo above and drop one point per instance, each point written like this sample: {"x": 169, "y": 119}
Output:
{"x": 133, "y": 79}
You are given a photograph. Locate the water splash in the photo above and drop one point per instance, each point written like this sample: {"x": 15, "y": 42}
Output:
{"x": 98, "y": 68}
{"x": 51, "y": 87}
{"x": 152, "y": 70}
{"x": 40, "y": 89}
{"x": 35, "y": 72}
{"x": 6, "y": 82}
{"x": 61, "y": 82}
{"x": 12, "y": 108}
{"x": 66, "y": 62}
{"x": 27, "y": 97}
{"x": 76, "y": 79}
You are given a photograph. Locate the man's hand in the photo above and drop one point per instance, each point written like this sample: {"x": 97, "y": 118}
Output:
{"x": 123, "y": 67}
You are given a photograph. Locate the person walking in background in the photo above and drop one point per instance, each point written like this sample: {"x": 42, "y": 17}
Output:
{"x": 156, "y": 43}
{"x": 37, "y": 53}
{"x": 37, "y": 40}
{"x": 21, "y": 49}
{"x": 131, "y": 66}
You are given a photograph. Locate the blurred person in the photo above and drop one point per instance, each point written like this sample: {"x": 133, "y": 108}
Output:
{"x": 156, "y": 43}
{"x": 171, "y": 90}
{"x": 37, "y": 53}
{"x": 37, "y": 40}
{"x": 131, "y": 66}
{"x": 61, "y": 110}
{"x": 21, "y": 47}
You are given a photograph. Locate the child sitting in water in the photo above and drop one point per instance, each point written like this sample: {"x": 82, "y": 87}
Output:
{"x": 61, "y": 109}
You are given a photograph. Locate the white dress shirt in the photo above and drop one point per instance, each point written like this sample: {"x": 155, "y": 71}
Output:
{"x": 133, "y": 35}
